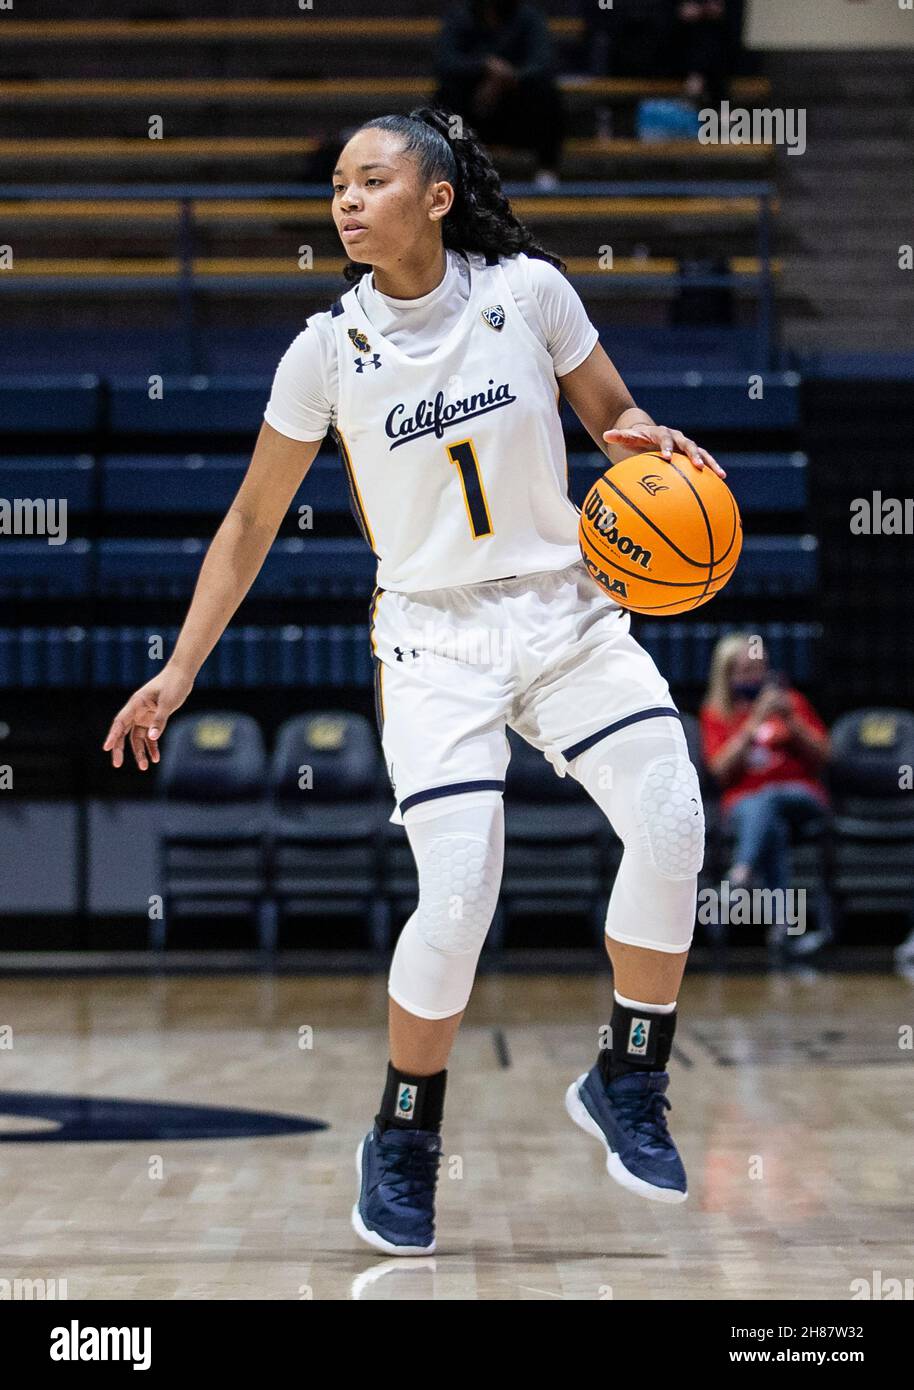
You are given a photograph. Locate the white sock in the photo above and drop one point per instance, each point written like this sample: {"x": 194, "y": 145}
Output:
{"x": 646, "y": 1008}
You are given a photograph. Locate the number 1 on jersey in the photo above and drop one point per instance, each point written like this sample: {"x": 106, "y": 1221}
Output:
{"x": 474, "y": 494}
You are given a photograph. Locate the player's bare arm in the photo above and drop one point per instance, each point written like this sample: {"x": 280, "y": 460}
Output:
{"x": 596, "y": 393}
{"x": 231, "y": 565}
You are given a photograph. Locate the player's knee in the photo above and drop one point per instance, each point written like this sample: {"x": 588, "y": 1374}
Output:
{"x": 671, "y": 817}
{"x": 458, "y": 893}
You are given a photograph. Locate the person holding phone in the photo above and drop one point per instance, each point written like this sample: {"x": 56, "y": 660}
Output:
{"x": 766, "y": 747}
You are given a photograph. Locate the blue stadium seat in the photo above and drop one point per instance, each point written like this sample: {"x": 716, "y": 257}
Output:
{"x": 207, "y": 405}
{"x": 560, "y": 853}
{"x": 767, "y": 482}
{"x": 870, "y": 778}
{"x": 37, "y": 569}
{"x": 168, "y": 483}
{"x": 166, "y": 568}
{"x": 41, "y": 404}
{"x": 146, "y": 568}
{"x": 326, "y": 821}
{"x": 206, "y": 483}
{"x": 247, "y": 656}
{"x": 776, "y": 565}
{"x": 211, "y": 851}
{"x": 69, "y": 476}
{"x": 683, "y": 650}
{"x": 40, "y": 657}
{"x": 331, "y": 569}
{"x": 699, "y": 402}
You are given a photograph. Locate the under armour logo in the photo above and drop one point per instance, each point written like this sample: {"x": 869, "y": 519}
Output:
{"x": 401, "y": 653}
{"x": 373, "y": 361}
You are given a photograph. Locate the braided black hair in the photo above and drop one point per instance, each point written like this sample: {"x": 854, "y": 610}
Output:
{"x": 480, "y": 218}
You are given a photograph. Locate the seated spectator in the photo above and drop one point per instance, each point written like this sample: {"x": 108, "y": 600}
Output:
{"x": 495, "y": 68}
{"x": 632, "y": 39}
{"x": 698, "y": 41}
{"x": 766, "y": 746}
{"x": 702, "y": 40}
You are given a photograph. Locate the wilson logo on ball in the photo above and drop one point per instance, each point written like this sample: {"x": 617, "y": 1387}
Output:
{"x": 605, "y": 522}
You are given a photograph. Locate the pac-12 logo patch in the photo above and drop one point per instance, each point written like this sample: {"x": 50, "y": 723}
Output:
{"x": 358, "y": 340}
{"x": 637, "y": 1036}
{"x": 494, "y": 316}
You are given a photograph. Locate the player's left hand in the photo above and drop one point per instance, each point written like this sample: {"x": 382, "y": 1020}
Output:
{"x": 666, "y": 441}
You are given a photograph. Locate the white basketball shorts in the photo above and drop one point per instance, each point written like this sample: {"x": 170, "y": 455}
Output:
{"x": 547, "y": 654}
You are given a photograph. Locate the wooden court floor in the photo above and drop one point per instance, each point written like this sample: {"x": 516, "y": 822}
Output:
{"x": 793, "y": 1107}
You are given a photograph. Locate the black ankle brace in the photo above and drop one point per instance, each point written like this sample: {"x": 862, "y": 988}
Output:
{"x": 641, "y": 1041}
{"x": 412, "y": 1102}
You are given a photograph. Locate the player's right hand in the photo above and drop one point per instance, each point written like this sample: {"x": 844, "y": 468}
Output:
{"x": 143, "y": 718}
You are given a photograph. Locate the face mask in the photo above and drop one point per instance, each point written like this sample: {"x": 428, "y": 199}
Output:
{"x": 746, "y": 690}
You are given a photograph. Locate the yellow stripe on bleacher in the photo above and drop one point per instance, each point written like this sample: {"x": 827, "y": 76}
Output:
{"x": 141, "y": 147}
{"x": 54, "y": 266}
{"x": 261, "y": 147}
{"x": 551, "y": 208}
{"x": 323, "y": 265}
{"x": 225, "y": 89}
{"x": 62, "y": 209}
{"x": 663, "y": 149}
{"x": 316, "y": 209}
{"x": 540, "y": 209}
{"x": 207, "y": 89}
{"x": 658, "y": 265}
{"x": 203, "y": 30}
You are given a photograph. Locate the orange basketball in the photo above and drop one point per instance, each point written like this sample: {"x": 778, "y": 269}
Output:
{"x": 660, "y": 535}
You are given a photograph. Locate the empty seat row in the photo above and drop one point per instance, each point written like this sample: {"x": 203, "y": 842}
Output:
{"x": 249, "y": 656}
{"x": 214, "y": 406}
{"x": 306, "y": 831}
{"x": 165, "y": 484}
{"x": 246, "y": 656}
{"x": 330, "y": 568}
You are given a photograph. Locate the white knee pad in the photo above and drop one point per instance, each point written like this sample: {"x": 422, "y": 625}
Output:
{"x": 671, "y": 817}
{"x": 459, "y": 857}
{"x": 645, "y": 783}
{"x": 458, "y": 892}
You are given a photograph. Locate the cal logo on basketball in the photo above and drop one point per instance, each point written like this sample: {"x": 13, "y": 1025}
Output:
{"x": 652, "y": 484}
{"x": 638, "y": 1035}
{"x": 358, "y": 340}
{"x": 604, "y": 521}
{"x": 494, "y": 316}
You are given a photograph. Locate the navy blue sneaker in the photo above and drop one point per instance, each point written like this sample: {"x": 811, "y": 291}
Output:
{"x": 399, "y": 1173}
{"x": 628, "y": 1117}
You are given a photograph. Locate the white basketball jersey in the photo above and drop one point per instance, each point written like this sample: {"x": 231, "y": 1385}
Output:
{"x": 456, "y": 461}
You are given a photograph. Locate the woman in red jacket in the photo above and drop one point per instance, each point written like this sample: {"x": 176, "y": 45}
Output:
{"x": 766, "y": 746}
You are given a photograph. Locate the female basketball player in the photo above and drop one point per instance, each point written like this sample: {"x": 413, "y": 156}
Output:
{"x": 440, "y": 373}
